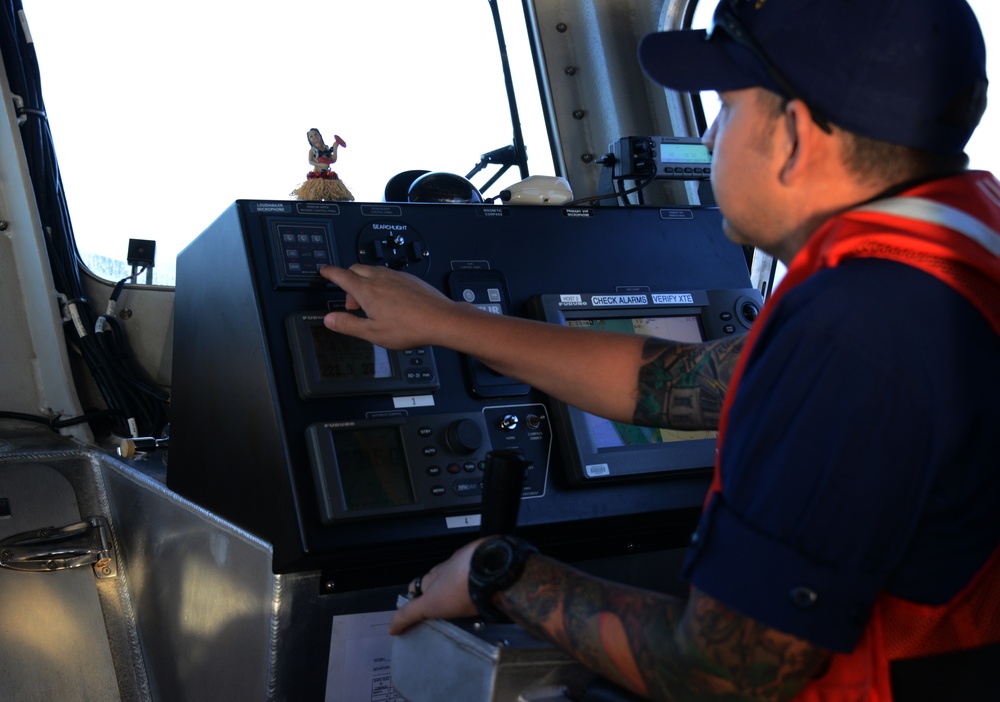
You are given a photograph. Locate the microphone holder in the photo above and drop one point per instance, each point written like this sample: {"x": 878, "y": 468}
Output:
{"x": 514, "y": 154}
{"x": 505, "y": 157}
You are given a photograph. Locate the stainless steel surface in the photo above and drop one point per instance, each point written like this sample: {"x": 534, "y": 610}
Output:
{"x": 204, "y": 596}
{"x": 193, "y": 614}
{"x": 52, "y": 630}
{"x": 485, "y": 663}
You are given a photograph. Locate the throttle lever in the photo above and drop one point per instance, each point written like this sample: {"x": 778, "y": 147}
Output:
{"x": 503, "y": 483}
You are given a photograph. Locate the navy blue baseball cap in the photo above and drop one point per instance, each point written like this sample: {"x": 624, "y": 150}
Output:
{"x": 910, "y": 72}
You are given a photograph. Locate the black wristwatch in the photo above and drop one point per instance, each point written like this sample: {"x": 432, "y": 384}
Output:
{"x": 496, "y": 565}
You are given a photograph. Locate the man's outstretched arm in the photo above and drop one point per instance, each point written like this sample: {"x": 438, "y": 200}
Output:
{"x": 622, "y": 377}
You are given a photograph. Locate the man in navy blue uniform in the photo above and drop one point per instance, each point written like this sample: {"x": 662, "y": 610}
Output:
{"x": 850, "y": 539}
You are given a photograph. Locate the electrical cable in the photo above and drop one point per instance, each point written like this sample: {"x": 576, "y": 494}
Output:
{"x": 57, "y": 422}
{"x": 595, "y": 198}
{"x": 135, "y": 406}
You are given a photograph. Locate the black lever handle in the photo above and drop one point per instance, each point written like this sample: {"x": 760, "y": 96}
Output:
{"x": 503, "y": 483}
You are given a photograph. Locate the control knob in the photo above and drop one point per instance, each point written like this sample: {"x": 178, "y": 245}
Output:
{"x": 464, "y": 436}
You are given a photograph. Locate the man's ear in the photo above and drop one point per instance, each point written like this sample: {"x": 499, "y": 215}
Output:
{"x": 791, "y": 125}
{"x": 803, "y": 140}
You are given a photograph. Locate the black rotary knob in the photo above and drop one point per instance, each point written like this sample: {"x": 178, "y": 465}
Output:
{"x": 464, "y": 436}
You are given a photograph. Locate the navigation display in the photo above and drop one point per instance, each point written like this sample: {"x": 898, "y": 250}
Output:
{"x": 605, "y": 433}
{"x": 598, "y": 450}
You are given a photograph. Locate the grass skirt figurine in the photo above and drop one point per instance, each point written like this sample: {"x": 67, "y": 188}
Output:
{"x": 322, "y": 183}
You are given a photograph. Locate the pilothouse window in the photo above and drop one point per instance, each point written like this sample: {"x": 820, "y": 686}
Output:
{"x": 164, "y": 113}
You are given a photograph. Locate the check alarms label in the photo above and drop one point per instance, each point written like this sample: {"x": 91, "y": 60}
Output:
{"x": 618, "y": 300}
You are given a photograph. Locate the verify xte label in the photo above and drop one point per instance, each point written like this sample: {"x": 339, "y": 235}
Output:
{"x": 673, "y": 299}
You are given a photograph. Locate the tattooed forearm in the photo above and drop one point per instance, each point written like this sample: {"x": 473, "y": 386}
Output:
{"x": 756, "y": 662}
{"x": 590, "y": 618}
{"x": 656, "y": 645}
{"x": 681, "y": 386}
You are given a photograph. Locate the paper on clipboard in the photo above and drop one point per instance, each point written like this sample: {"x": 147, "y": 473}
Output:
{"x": 360, "y": 659}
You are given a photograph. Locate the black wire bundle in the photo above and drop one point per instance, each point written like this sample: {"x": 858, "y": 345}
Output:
{"x": 136, "y": 406}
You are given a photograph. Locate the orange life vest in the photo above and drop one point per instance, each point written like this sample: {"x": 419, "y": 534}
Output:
{"x": 949, "y": 228}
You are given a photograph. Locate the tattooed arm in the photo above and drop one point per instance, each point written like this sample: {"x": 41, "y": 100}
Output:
{"x": 682, "y": 386}
{"x": 656, "y": 645}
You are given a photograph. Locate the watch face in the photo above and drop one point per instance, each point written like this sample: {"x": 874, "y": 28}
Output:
{"x": 496, "y": 565}
{"x": 493, "y": 558}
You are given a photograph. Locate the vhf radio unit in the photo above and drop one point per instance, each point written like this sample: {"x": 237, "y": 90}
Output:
{"x": 661, "y": 158}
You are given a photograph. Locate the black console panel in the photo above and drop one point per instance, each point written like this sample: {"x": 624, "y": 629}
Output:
{"x": 344, "y": 455}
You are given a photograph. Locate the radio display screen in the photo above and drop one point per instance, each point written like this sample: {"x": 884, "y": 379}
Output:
{"x": 339, "y": 356}
{"x": 371, "y": 463}
{"x": 328, "y": 364}
{"x": 671, "y": 152}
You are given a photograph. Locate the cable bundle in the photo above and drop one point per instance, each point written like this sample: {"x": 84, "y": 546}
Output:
{"x": 136, "y": 407}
